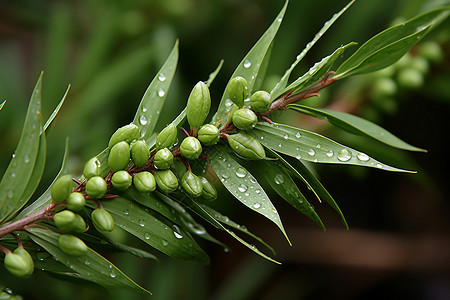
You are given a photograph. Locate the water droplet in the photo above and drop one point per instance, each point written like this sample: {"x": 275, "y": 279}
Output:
{"x": 162, "y": 77}
{"x": 242, "y": 188}
{"x": 258, "y": 191}
{"x": 147, "y": 236}
{"x": 362, "y": 156}
{"x": 330, "y": 153}
{"x": 161, "y": 93}
{"x": 279, "y": 145}
{"x": 380, "y": 166}
{"x": 177, "y": 235}
{"x": 42, "y": 255}
{"x": 318, "y": 146}
{"x": 87, "y": 263}
{"x": 298, "y": 135}
{"x": 311, "y": 152}
{"x": 286, "y": 136}
{"x": 279, "y": 179}
{"x": 315, "y": 160}
{"x": 143, "y": 120}
{"x": 298, "y": 157}
{"x": 112, "y": 274}
{"x": 26, "y": 159}
{"x": 144, "y": 109}
{"x": 164, "y": 242}
{"x": 257, "y": 205}
{"x": 228, "y": 102}
{"x": 344, "y": 155}
{"x": 13, "y": 175}
{"x": 241, "y": 172}
{"x": 141, "y": 222}
{"x": 14, "y": 155}
{"x": 126, "y": 212}
{"x": 262, "y": 138}
{"x": 247, "y": 64}
{"x": 10, "y": 194}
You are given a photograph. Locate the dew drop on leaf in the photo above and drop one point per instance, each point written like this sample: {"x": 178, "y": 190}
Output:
{"x": 257, "y": 205}
{"x": 126, "y": 212}
{"x": 161, "y": 93}
{"x": 143, "y": 120}
{"x": 330, "y": 153}
{"x": 112, "y": 274}
{"x": 242, "y": 188}
{"x": 344, "y": 155}
{"x": 162, "y": 77}
{"x": 311, "y": 152}
{"x": 298, "y": 135}
{"x": 286, "y": 136}
{"x": 147, "y": 235}
{"x": 279, "y": 179}
{"x": 10, "y": 194}
{"x": 164, "y": 242}
{"x": 142, "y": 222}
{"x": 247, "y": 64}
{"x": 362, "y": 156}
{"x": 241, "y": 172}
{"x": 26, "y": 159}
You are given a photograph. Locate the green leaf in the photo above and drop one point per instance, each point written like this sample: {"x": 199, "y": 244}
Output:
{"x": 356, "y": 125}
{"x": 18, "y": 173}
{"x": 283, "y": 184}
{"x": 250, "y": 66}
{"x": 91, "y": 266}
{"x": 302, "y": 172}
{"x": 1, "y": 105}
{"x": 56, "y": 110}
{"x": 153, "y": 100}
{"x": 317, "y": 71}
{"x": 135, "y": 251}
{"x": 201, "y": 211}
{"x": 213, "y": 75}
{"x": 280, "y": 86}
{"x": 226, "y": 220}
{"x": 154, "y": 230}
{"x": 310, "y": 146}
{"x": 388, "y": 46}
{"x": 242, "y": 185}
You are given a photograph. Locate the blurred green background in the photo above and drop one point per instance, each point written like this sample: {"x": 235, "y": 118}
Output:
{"x": 398, "y": 244}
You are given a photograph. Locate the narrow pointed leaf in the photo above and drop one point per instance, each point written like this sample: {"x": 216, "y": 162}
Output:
{"x": 151, "y": 228}
{"x": 356, "y": 125}
{"x": 1, "y": 105}
{"x": 242, "y": 185}
{"x": 280, "y": 86}
{"x": 91, "y": 266}
{"x": 316, "y": 72}
{"x": 20, "y": 168}
{"x": 388, "y": 46}
{"x": 227, "y": 221}
{"x": 201, "y": 211}
{"x": 213, "y": 75}
{"x": 153, "y": 100}
{"x": 135, "y": 251}
{"x": 310, "y": 146}
{"x": 282, "y": 183}
{"x": 249, "y": 67}
{"x": 56, "y": 110}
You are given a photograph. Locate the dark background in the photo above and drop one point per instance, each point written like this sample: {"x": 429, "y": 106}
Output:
{"x": 398, "y": 245}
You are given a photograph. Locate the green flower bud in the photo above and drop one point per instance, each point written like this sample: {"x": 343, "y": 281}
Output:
{"x": 119, "y": 156}
{"x": 139, "y": 153}
{"x": 191, "y": 184}
{"x": 209, "y": 192}
{"x": 244, "y": 119}
{"x": 17, "y": 265}
{"x": 163, "y": 159}
{"x": 238, "y": 90}
{"x": 384, "y": 87}
{"x": 410, "y": 78}
{"x": 260, "y": 101}
{"x": 121, "y": 180}
{"x": 246, "y": 146}
{"x": 198, "y": 105}
{"x": 420, "y": 64}
{"x": 431, "y": 51}
{"x": 92, "y": 168}
{"x": 72, "y": 245}
{"x": 96, "y": 187}
{"x": 208, "y": 135}
{"x": 62, "y": 188}
{"x": 167, "y": 137}
{"x": 190, "y": 148}
{"x": 64, "y": 220}
{"x": 79, "y": 225}
{"x": 102, "y": 220}
{"x": 25, "y": 255}
{"x": 127, "y": 133}
{"x": 144, "y": 182}
{"x": 166, "y": 181}
{"x": 75, "y": 201}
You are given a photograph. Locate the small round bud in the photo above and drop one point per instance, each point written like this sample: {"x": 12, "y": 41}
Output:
{"x": 139, "y": 153}
{"x": 96, "y": 187}
{"x": 244, "y": 119}
{"x": 75, "y": 201}
{"x": 431, "y": 51}
{"x": 209, "y": 192}
{"x": 119, "y": 156}
{"x": 72, "y": 245}
{"x": 191, "y": 184}
{"x": 166, "y": 181}
{"x": 410, "y": 78}
{"x": 246, "y": 146}
{"x": 64, "y": 220}
{"x": 208, "y": 135}
{"x": 16, "y": 265}
{"x": 79, "y": 225}
{"x": 92, "y": 168}
{"x": 198, "y": 105}
{"x": 163, "y": 159}
{"x": 144, "y": 182}
{"x": 420, "y": 64}
{"x": 167, "y": 137}
{"x": 384, "y": 87}
{"x": 238, "y": 90}
{"x": 102, "y": 220}
{"x": 121, "y": 180}
{"x": 260, "y": 101}
{"x": 190, "y": 148}
{"x": 127, "y": 133}
{"x": 62, "y": 188}
{"x": 25, "y": 255}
